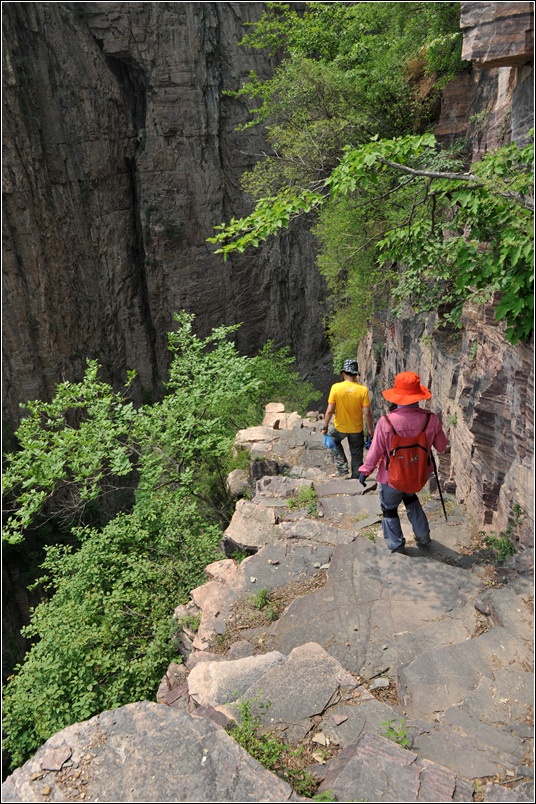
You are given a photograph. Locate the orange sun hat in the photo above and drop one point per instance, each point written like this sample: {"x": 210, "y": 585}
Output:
{"x": 407, "y": 389}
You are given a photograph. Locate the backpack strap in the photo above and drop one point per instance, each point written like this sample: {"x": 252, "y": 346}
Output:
{"x": 428, "y": 414}
{"x": 390, "y": 423}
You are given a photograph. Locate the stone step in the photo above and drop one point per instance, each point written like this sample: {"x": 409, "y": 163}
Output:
{"x": 381, "y": 770}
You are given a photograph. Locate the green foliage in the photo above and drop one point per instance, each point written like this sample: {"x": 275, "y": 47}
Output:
{"x": 261, "y": 599}
{"x": 503, "y": 545}
{"x": 327, "y": 795}
{"x": 443, "y": 237}
{"x": 190, "y": 621}
{"x": 270, "y": 215}
{"x": 398, "y": 224}
{"x": 103, "y": 637}
{"x": 347, "y": 230}
{"x": 396, "y": 732}
{"x": 471, "y": 238}
{"x": 103, "y": 633}
{"x": 269, "y": 751}
{"x": 75, "y": 446}
{"x": 264, "y": 747}
{"x": 370, "y": 59}
{"x": 307, "y": 497}
{"x": 279, "y": 382}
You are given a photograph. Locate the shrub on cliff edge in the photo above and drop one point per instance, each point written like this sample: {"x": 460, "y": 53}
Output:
{"x": 103, "y": 633}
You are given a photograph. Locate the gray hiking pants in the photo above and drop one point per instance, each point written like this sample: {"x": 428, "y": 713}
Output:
{"x": 356, "y": 442}
{"x": 390, "y": 499}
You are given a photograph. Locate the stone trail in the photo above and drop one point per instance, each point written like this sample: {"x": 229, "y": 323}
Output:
{"x": 436, "y": 645}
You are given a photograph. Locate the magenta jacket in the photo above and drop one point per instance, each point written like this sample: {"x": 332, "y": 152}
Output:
{"x": 407, "y": 421}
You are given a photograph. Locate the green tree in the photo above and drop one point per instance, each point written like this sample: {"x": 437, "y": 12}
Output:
{"x": 102, "y": 635}
{"x": 400, "y": 221}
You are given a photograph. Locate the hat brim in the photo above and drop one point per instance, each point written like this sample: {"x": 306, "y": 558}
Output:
{"x": 406, "y": 399}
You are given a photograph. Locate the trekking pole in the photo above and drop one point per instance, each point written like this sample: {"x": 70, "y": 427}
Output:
{"x": 438, "y": 486}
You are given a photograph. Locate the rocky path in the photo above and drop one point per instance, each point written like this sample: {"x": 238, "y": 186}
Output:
{"x": 334, "y": 644}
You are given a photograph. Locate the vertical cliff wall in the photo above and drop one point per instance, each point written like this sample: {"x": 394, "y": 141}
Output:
{"x": 482, "y": 386}
{"x": 120, "y": 156}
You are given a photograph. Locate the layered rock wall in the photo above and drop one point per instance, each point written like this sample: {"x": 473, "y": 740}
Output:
{"x": 482, "y": 386}
{"x": 120, "y": 156}
{"x": 483, "y": 390}
{"x": 493, "y": 104}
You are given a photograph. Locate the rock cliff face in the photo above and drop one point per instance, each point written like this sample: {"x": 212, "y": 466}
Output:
{"x": 494, "y": 104}
{"x": 120, "y": 156}
{"x": 483, "y": 386}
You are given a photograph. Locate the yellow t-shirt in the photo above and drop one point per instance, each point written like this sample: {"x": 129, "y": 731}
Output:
{"x": 349, "y": 399}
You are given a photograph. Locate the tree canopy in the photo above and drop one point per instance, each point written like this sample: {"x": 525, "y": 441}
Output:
{"x": 103, "y": 632}
{"x": 400, "y": 221}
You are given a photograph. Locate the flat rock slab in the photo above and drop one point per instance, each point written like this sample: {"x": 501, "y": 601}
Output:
{"x": 360, "y": 714}
{"x": 381, "y": 770}
{"x": 280, "y": 486}
{"x": 450, "y": 673}
{"x": 372, "y": 599}
{"x": 346, "y": 486}
{"x": 284, "y": 562}
{"x": 350, "y": 505}
{"x": 272, "y": 567}
{"x": 290, "y": 694}
{"x": 471, "y": 748}
{"x": 521, "y": 792}
{"x": 505, "y": 701}
{"x": 216, "y": 683}
{"x": 146, "y": 752}
{"x": 317, "y": 531}
{"x": 252, "y": 526}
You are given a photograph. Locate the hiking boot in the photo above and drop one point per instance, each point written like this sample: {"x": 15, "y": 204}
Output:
{"x": 401, "y": 549}
{"x": 423, "y": 542}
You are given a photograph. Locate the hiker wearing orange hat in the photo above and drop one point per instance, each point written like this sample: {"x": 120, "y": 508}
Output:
{"x": 401, "y": 450}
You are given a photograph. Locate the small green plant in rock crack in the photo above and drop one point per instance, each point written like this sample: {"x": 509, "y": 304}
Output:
{"x": 262, "y": 602}
{"x": 264, "y": 747}
{"x": 306, "y": 497}
{"x": 239, "y": 555}
{"x": 270, "y": 752}
{"x": 191, "y": 622}
{"x": 396, "y": 732}
{"x": 261, "y": 599}
{"x": 502, "y": 545}
{"x": 473, "y": 350}
{"x": 370, "y": 533}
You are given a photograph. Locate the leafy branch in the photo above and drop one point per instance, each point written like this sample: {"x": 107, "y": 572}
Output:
{"x": 476, "y": 228}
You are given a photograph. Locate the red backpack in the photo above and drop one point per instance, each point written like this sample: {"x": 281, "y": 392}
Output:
{"x": 408, "y": 462}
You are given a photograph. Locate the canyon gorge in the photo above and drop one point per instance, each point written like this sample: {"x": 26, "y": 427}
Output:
{"x": 121, "y": 154}
{"x": 122, "y": 150}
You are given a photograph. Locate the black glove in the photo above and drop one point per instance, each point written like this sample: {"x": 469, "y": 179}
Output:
{"x": 368, "y": 442}
{"x": 363, "y": 478}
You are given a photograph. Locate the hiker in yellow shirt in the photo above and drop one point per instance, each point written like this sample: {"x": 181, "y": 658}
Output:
{"x": 349, "y": 402}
